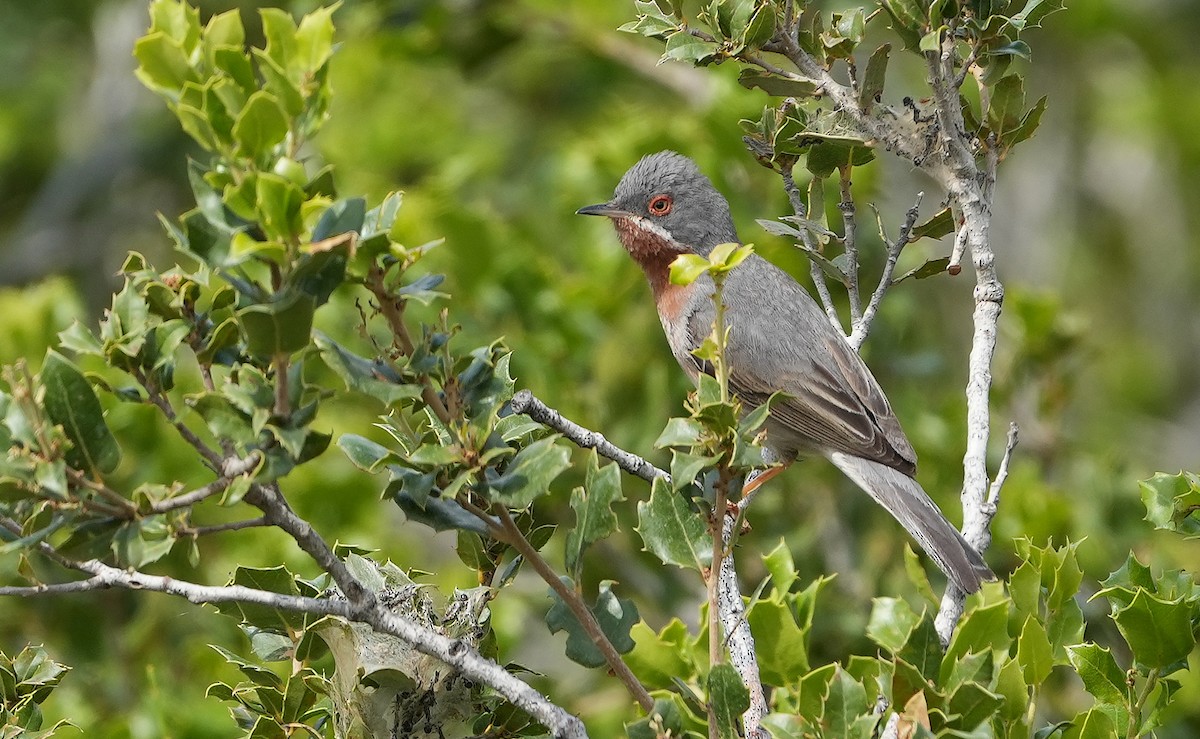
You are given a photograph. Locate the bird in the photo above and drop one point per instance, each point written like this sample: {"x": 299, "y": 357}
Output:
{"x": 780, "y": 341}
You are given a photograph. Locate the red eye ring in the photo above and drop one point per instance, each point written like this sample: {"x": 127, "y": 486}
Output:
{"x": 660, "y": 205}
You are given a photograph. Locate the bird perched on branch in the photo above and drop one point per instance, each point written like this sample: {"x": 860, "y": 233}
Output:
{"x": 780, "y": 341}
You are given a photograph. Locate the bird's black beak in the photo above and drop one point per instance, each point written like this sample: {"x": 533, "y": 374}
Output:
{"x": 602, "y": 209}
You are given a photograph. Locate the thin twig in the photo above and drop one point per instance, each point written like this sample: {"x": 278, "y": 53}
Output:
{"x": 231, "y": 468}
{"x": 582, "y": 613}
{"x": 818, "y": 276}
{"x": 993, "y": 498}
{"x": 110, "y": 495}
{"x": 527, "y": 404}
{"x": 164, "y": 404}
{"x": 249, "y": 523}
{"x": 392, "y": 309}
{"x": 850, "y": 244}
{"x": 863, "y": 326}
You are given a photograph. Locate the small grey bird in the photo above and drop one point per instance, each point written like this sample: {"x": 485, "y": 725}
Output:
{"x": 780, "y": 340}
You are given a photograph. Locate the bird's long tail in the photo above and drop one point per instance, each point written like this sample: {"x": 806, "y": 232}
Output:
{"x": 904, "y": 498}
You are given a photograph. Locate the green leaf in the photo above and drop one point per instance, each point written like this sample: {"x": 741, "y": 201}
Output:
{"x": 983, "y": 628}
{"x": 787, "y": 659}
{"x": 162, "y": 64}
{"x": 656, "y": 659}
{"x": 682, "y": 46}
{"x": 615, "y": 616}
{"x": 278, "y": 202}
{"x": 665, "y": 719}
{"x": 917, "y": 576}
{"x": 928, "y": 269}
{"x": 941, "y": 224}
{"x": 685, "y": 467}
{"x": 1093, "y": 724}
{"x": 439, "y": 514}
{"x": 1034, "y": 652}
{"x": 1101, "y": 675}
{"x": 782, "y": 567}
{"x": 1034, "y": 11}
{"x": 672, "y": 530}
{"x": 1173, "y": 502}
{"x": 871, "y": 91}
{"x": 342, "y": 217}
{"x": 775, "y": 85}
{"x": 364, "y": 453}
{"x": 687, "y": 268}
{"x": 594, "y": 516}
{"x": 891, "y": 623}
{"x": 729, "y": 699}
{"x": 318, "y": 273}
{"x": 847, "y": 712}
{"x": 375, "y": 379}
{"x": 529, "y": 474}
{"x": 71, "y": 403}
{"x": 260, "y": 125}
{"x": 314, "y": 40}
{"x": 973, "y": 704}
{"x": 1158, "y": 631}
{"x": 923, "y": 648}
{"x": 681, "y": 432}
{"x": 279, "y": 327}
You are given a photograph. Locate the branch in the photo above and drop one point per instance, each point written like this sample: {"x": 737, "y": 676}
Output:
{"x": 738, "y": 636}
{"x": 231, "y": 468}
{"x": 863, "y": 326}
{"x": 249, "y": 523}
{"x": 818, "y": 276}
{"x": 582, "y": 613}
{"x": 164, "y": 404}
{"x": 527, "y": 404}
{"x": 454, "y": 652}
{"x": 850, "y": 244}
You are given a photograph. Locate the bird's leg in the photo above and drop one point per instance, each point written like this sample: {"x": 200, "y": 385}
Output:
{"x": 756, "y": 480}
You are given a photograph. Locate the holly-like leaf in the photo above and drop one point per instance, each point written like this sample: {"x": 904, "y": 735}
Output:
{"x": 787, "y": 659}
{"x": 775, "y": 85}
{"x": 1173, "y": 502}
{"x": 873, "y": 79}
{"x": 672, "y": 530}
{"x": 278, "y": 327}
{"x": 847, "y": 713}
{"x": 682, "y": 46}
{"x": 729, "y": 699}
{"x": 615, "y": 616}
{"x": 1101, "y": 675}
{"x": 260, "y": 125}
{"x": 373, "y": 378}
{"x": 529, "y": 474}
{"x": 1158, "y": 631}
{"x": 892, "y": 622}
{"x": 364, "y": 453}
{"x": 594, "y": 516}
{"x": 71, "y": 403}
{"x": 1034, "y": 652}
{"x": 659, "y": 658}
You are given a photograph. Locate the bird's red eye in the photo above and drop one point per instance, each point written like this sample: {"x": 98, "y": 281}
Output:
{"x": 660, "y": 205}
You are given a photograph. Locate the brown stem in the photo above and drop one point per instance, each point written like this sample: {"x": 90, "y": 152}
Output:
{"x": 282, "y": 404}
{"x": 198, "y": 531}
{"x": 584, "y": 614}
{"x": 393, "y": 312}
{"x": 112, "y": 496}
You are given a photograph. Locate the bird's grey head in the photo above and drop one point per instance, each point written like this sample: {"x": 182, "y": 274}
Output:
{"x": 665, "y": 195}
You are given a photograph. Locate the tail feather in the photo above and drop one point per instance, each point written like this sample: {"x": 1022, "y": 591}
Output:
{"x": 904, "y": 498}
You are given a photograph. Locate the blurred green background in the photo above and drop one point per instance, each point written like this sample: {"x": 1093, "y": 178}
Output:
{"x": 498, "y": 119}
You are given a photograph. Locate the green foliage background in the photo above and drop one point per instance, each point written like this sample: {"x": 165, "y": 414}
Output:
{"x": 498, "y": 120}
